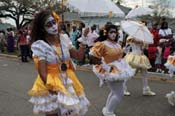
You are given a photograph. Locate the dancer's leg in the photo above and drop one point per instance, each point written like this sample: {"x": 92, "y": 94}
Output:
{"x": 171, "y": 73}
{"x": 109, "y": 97}
{"x": 126, "y": 92}
{"x": 144, "y": 74}
{"x": 146, "y": 88}
{"x": 117, "y": 94}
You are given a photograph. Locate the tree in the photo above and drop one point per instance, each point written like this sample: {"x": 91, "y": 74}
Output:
{"x": 18, "y": 10}
{"x": 22, "y": 11}
{"x": 161, "y": 7}
{"x": 0, "y": 21}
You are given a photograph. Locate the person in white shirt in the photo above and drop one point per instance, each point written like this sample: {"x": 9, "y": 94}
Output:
{"x": 92, "y": 36}
{"x": 165, "y": 32}
{"x": 165, "y": 35}
{"x": 84, "y": 40}
{"x": 91, "y": 39}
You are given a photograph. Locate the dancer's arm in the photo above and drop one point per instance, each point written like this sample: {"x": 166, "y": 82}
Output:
{"x": 42, "y": 70}
{"x": 95, "y": 60}
{"x": 78, "y": 54}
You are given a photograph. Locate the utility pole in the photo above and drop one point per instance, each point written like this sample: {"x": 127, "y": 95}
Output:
{"x": 62, "y": 7}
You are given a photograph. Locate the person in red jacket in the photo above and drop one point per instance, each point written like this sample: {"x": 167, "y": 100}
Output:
{"x": 152, "y": 48}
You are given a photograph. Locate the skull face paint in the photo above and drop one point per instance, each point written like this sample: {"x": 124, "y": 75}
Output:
{"x": 51, "y": 26}
{"x": 112, "y": 34}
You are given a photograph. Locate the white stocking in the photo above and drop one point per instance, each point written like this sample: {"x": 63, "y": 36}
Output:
{"x": 145, "y": 78}
{"x": 115, "y": 95}
{"x": 124, "y": 85}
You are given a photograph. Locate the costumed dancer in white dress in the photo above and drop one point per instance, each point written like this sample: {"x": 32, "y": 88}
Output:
{"x": 170, "y": 65}
{"x": 56, "y": 90}
{"x": 110, "y": 68}
{"x": 136, "y": 58}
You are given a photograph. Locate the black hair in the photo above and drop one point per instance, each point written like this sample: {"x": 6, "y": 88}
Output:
{"x": 143, "y": 21}
{"x": 82, "y": 25}
{"x": 164, "y": 25}
{"x": 93, "y": 27}
{"x": 109, "y": 27}
{"x": 108, "y": 23}
{"x": 104, "y": 33}
{"x": 38, "y": 32}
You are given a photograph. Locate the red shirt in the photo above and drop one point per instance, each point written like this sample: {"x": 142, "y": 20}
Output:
{"x": 23, "y": 40}
{"x": 155, "y": 33}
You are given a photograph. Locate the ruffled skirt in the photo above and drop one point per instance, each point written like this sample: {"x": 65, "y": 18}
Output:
{"x": 119, "y": 71}
{"x": 137, "y": 61}
{"x": 65, "y": 103}
{"x": 45, "y": 102}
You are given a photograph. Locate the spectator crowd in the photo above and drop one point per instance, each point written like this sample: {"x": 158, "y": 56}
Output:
{"x": 12, "y": 41}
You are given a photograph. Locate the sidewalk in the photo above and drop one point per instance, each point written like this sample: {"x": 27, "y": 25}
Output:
{"x": 154, "y": 75}
{"x": 8, "y": 56}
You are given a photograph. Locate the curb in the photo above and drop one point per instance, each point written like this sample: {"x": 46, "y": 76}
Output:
{"x": 163, "y": 77}
{"x": 9, "y": 56}
{"x": 14, "y": 57}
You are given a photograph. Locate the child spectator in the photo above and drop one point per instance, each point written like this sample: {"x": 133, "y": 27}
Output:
{"x": 158, "y": 61}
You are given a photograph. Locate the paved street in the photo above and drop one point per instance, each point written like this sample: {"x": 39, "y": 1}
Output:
{"x": 16, "y": 78}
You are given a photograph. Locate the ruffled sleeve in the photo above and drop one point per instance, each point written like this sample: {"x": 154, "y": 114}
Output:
{"x": 39, "y": 49}
{"x": 98, "y": 50}
{"x": 65, "y": 40}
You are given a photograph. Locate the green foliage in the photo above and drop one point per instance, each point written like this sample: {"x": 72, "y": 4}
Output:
{"x": 22, "y": 11}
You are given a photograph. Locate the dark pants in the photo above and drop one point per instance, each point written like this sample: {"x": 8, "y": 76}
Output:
{"x": 153, "y": 68}
{"x": 2, "y": 47}
{"x": 24, "y": 52}
{"x": 145, "y": 51}
{"x": 163, "y": 67}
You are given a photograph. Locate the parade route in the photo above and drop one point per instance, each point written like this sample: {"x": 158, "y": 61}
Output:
{"x": 87, "y": 58}
{"x": 16, "y": 79}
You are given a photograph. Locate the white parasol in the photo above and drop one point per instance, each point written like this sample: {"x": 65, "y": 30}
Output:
{"x": 91, "y": 8}
{"x": 137, "y": 30}
{"x": 139, "y": 11}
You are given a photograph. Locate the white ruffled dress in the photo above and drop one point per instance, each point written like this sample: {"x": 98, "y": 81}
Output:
{"x": 69, "y": 95}
{"x": 113, "y": 67}
{"x": 170, "y": 64}
{"x": 136, "y": 57}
